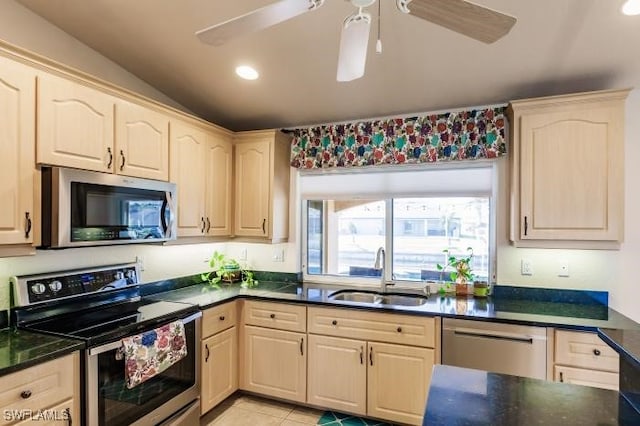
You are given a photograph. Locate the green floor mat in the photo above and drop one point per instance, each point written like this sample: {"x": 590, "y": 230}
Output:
{"x": 332, "y": 418}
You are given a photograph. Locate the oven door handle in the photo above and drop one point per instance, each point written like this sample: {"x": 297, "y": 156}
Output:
{"x": 117, "y": 344}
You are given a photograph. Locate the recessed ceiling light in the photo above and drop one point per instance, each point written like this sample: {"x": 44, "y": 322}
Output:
{"x": 631, "y": 7}
{"x": 246, "y": 72}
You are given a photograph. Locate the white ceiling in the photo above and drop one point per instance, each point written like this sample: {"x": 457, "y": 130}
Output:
{"x": 557, "y": 46}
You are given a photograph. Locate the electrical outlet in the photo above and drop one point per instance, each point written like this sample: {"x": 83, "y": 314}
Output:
{"x": 563, "y": 268}
{"x": 278, "y": 255}
{"x": 243, "y": 254}
{"x": 140, "y": 262}
{"x": 526, "y": 267}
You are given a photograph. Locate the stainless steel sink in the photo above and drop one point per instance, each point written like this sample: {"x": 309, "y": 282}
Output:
{"x": 377, "y": 298}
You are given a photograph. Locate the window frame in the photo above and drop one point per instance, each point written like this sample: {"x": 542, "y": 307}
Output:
{"x": 351, "y": 281}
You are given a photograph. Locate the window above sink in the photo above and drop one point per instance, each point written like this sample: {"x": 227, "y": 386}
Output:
{"x": 414, "y": 222}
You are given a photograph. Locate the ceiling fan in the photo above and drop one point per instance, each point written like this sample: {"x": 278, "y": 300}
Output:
{"x": 461, "y": 16}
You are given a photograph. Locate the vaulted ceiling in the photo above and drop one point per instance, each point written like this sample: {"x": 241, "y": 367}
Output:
{"x": 556, "y": 46}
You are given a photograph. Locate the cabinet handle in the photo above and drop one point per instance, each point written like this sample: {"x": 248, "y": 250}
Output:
{"x": 272, "y": 316}
{"x": 206, "y": 349}
{"x": 123, "y": 160}
{"x": 25, "y": 394}
{"x": 69, "y": 419}
{"x": 371, "y": 355}
{"x": 221, "y": 317}
{"x": 110, "y": 158}
{"x": 301, "y": 346}
{"x": 264, "y": 226}
{"x": 204, "y": 224}
{"x": 561, "y": 377}
{"x": 361, "y": 355}
{"x": 596, "y": 352}
{"x": 526, "y": 225}
{"x": 399, "y": 329}
{"x": 208, "y": 225}
{"x": 334, "y": 322}
{"x": 27, "y": 230}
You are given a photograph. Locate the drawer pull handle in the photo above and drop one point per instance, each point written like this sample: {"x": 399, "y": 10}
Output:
{"x": 301, "y": 346}
{"x": 206, "y": 348}
{"x": 561, "y": 377}
{"x": 25, "y": 394}
{"x": 272, "y": 316}
{"x": 334, "y": 322}
{"x": 596, "y": 352}
{"x": 221, "y": 317}
{"x": 399, "y": 329}
{"x": 361, "y": 355}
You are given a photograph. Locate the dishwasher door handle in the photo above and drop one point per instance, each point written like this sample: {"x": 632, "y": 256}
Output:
{"x": 524, "y": 339}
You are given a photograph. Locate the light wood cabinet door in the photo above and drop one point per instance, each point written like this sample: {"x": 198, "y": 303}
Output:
{"x": 274, "y": 363}
{"x": 17, "y": 148}
{"x": 75, "y": 125}
{"x": 142, "y": 142}
{"x": 253, "y": 170}
{"x": 187, "y": 171}
{"x": 337, "y": 376}
{"x": 585, "y": 377}
{"x": 398, "y": 381}
{"x": 219, "y": 185}
{"x": 568, "y": 169}
{"x": 219, "y": 371}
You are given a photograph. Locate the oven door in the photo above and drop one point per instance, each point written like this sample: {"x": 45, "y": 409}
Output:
{"x": 111, "y": 403}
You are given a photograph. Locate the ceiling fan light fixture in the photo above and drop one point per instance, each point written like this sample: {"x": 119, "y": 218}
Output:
{"x": 631, "y": 7}
{"x": 246, "y": 72}
{"x": 353, "y": 47}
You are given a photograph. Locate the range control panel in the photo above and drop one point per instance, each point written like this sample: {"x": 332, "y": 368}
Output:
{"x": 54, "y": 286}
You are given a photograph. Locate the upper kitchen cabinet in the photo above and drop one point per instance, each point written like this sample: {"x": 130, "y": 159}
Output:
{"x": 218, "y": 186}
{"x": 142, "y": 142}
{"x": 567, "y": 161}
{"x": 17, "y": 146}
{"x": 75, "y": 125}
{"x": 262, "y": 185}
{"x": 200, "y": 165}
{"x": 187, "y": 171}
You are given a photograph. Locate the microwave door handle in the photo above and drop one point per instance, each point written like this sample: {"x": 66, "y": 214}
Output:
{"x": 169, "y": 205}
{"x": 163, "y": 219}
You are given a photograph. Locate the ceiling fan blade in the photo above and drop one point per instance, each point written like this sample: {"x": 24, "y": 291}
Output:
{"x": 256, "y": 20}
{"x": 464, "y": 17}
{"x": 353, "y": 47}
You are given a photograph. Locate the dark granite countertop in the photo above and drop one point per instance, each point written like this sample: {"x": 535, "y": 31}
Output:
{"x": 555, "y": 314}
{"x": 626, "y": 342}
{"x": 21, "y": 349}
{"x": 461, "y": 396}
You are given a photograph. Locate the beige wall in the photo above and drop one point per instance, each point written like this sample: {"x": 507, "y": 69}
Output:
{"x": 23, "y": 28}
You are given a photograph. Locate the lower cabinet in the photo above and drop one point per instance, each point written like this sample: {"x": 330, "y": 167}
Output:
{"x": 382, "y": 380}
{"x": 274, "y": 363}
{"x": 219, "y": 368}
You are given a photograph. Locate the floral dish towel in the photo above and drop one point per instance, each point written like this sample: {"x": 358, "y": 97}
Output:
{"x": 152, "y": 352}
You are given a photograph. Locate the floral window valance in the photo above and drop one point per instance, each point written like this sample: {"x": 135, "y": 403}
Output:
{"x": 463, "y": 135}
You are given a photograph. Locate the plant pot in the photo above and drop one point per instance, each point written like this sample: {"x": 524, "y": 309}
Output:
{"x": 464, "y": 289}
{"x": 480, "y": 289}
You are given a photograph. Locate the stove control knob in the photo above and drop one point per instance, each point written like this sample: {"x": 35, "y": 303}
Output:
{"x": 118, "y": 276}
{"x": 55, "y": 286}
{"x": 38, "y": 288}
{"x": 131, "y": 274}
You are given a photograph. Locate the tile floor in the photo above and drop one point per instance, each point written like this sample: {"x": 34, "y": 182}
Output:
{"x": 248, "y": 410}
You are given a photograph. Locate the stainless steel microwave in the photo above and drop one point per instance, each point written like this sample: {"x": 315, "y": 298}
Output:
{"x": 83, "y": 208}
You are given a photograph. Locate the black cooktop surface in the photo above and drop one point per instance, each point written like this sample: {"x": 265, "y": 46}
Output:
{"x": 112, "y": 322}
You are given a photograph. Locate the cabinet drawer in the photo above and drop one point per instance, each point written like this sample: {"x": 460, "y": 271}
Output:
{"x": 581, "y": 376}
{"x": 219, "y": 318}
{"x": 275, "y": 315}
{"x": 39, "y": 387}
{"x": 381, "y": 327}
{"x": 583, "y": 349}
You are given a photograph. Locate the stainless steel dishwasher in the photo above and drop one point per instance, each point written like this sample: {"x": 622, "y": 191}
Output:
{"x": 500, "y": 348}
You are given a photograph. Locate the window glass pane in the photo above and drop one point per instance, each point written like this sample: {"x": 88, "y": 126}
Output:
{"x": 347, "y": 238}
{"x": 424, "y": 227}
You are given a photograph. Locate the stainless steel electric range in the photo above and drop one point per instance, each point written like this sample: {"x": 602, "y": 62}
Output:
{"x": 101, "y": 306}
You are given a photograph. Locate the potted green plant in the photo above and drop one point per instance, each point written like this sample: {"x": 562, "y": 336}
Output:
{"x": 461, "y": 273}
{"x": 227, "y": 270}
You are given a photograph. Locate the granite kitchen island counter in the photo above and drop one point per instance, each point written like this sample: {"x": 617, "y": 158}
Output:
{"x": 461, "y": 396}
